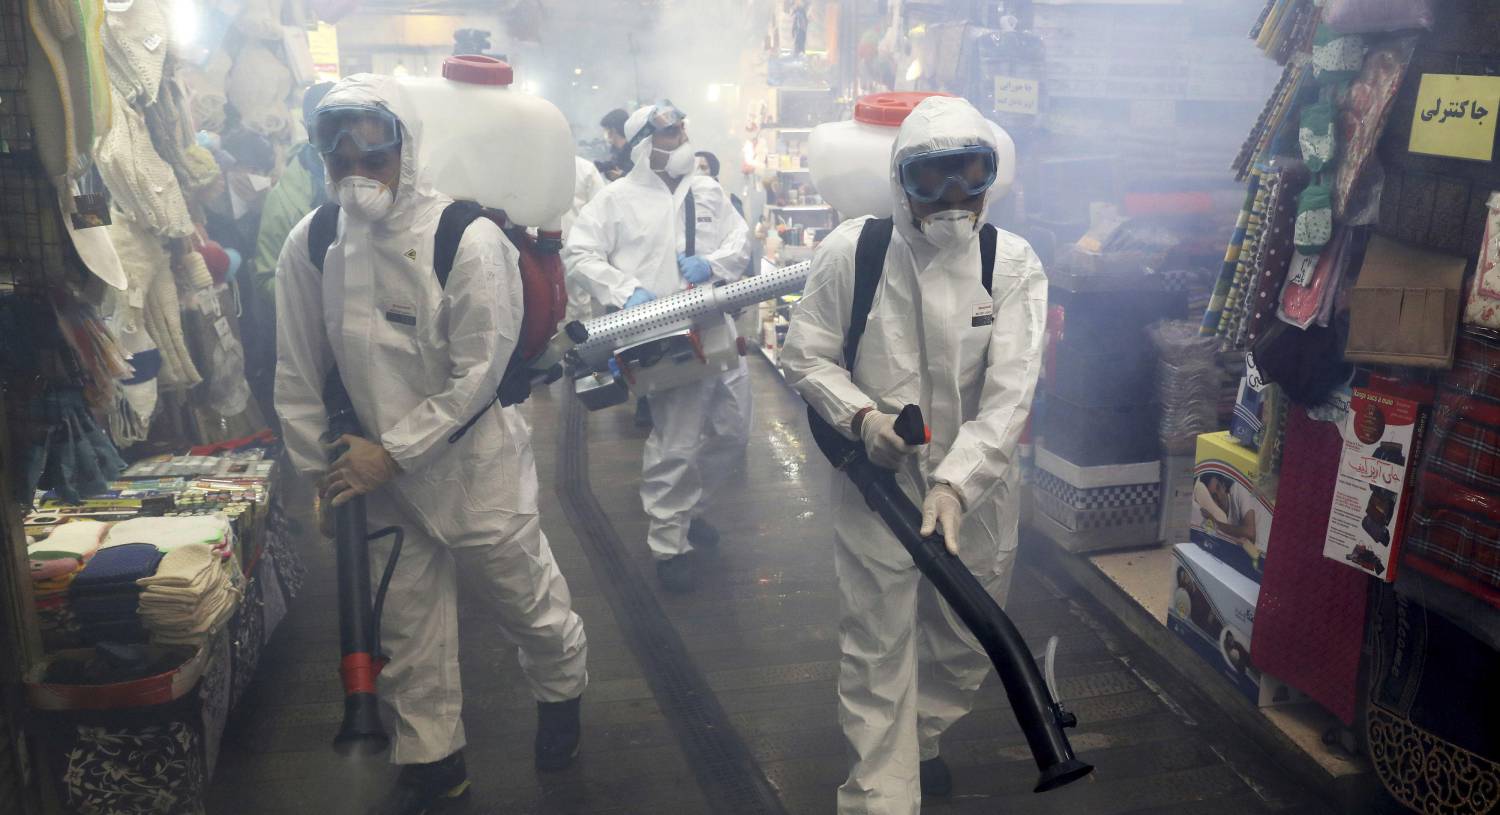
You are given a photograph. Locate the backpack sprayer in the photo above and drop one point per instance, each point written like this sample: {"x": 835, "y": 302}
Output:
{"x": 359, "y": 615}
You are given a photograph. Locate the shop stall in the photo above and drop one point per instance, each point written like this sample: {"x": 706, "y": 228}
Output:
{"x": 1309, "y": 423}
{"x": 148, "y": 547}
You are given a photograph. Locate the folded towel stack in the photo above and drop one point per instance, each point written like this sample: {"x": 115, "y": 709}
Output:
{"x": 104, "y": 597}
{"x": 60, "y": 556}
{"x": 171, "y": 533}
{"x": 195, "y": 591}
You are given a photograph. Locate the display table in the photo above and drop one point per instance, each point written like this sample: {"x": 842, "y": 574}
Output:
{"x": 134, "y": 726}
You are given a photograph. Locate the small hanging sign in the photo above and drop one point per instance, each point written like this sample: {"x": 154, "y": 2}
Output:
{"x": 1455, "y": 116}
{"x": 1014, "y": 94}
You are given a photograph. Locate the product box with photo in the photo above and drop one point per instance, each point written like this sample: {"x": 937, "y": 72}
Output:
{"x": 1213, "y": 611}
{"x": 1230, "y": 516}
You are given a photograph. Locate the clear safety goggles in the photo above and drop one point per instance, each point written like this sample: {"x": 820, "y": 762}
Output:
{"x": 928, "y": 177}
{"x": 664, "y": 117}
{"x": 370, "y": 128}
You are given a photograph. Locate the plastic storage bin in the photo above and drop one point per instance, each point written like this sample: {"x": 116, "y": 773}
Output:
{"x": 1090, "y": 435}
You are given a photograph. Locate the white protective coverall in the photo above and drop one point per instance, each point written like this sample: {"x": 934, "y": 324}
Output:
{"x": 628, "y": 237}
{"x": 587, "y": 182}
{"x": 909, "y": 667}
{"x": 419, "y": 360}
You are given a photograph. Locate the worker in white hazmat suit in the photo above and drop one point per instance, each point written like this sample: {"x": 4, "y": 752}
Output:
{"x": 420, "y": 359}
{"x": 632, "y": 244}
{"x": 969, "y": 358}
{"x": 587, "y": 182}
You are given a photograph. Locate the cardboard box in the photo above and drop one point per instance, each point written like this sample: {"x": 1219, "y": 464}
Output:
{"x": 1176, "y": 499}
{"x": 1383, "y": 435}
{"x": 1230, "y": 515}
{"x": 1213, "y": 610}
{"x": 1404, "y": 308}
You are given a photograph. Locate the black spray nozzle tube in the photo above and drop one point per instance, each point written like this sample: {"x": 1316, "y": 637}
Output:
{"x": 1041, "y": 717}
{"x": 359, "y": 623}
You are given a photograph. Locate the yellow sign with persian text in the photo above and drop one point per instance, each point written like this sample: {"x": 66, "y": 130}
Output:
{"x": 1455, "y": 116}
{"x": 323, "y": 41}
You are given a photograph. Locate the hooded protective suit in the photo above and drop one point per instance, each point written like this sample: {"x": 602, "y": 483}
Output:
{"x": 909, "y": 667}
{"x": 629, "y": 237}
{"x": 419, "y": 360}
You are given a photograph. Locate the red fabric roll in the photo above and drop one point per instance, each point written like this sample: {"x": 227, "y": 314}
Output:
{"x": 1310, "y": 619}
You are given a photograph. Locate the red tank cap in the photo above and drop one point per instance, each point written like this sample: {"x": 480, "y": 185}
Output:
{"x": 889, "y": 109}
{"x": 475, "y": 69}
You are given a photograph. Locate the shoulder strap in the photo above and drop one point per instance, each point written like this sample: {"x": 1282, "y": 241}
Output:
{"x": 690, "y": 223}
{"x": 869, "y": 264}
{"x": 987, "y": 237}
{"x": 321, "y": 231}
{"x": 451, "y": 225}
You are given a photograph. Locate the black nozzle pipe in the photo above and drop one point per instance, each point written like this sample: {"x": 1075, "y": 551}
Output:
{"x": 359, "y": 647}
{"x": 359, "y": 664}
{"x": 1041, "y": 718}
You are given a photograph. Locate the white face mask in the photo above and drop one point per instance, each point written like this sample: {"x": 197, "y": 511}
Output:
{"x": 364, "y": 198}
{"x": 680, "y": 161}
{"x": 951, "y": 228}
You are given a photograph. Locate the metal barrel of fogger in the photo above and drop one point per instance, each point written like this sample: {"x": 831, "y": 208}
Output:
{"x": 608, "y": 333}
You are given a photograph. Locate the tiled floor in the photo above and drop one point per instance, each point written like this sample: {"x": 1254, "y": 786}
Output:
{"x": 760, "y": 632}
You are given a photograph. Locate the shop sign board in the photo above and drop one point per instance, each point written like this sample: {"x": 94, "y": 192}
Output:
{"x": 1015, "y": 94}
{"x": 1455, "y": 116}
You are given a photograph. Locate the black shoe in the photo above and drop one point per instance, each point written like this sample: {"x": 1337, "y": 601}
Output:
{"x": 423, "y": 788}
{"x": 642, "y": 414}
{"x": 676, "y": 574}
{"x": 702, "y": 534}
{"x": 937, "y": 781}
{"x": 557, "y": 734}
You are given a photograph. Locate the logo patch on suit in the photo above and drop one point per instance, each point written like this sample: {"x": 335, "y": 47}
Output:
{"x": 984, "y": 314}
{"x": 705, "y": 219}
{"x": 411, "y": 254}
{"x": 401, "y": 314}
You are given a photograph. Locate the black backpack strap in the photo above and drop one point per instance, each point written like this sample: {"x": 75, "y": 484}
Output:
{"x": 987, "y": 238}
{"x": 690, "y": 223}
{"x": 451, "y": 225}
{"x": 869, "y": 264}
{"x": 321, "y": 232}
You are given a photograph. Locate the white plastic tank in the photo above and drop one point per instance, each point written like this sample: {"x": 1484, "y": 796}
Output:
{"x": 485, "y": 141}
{"x": 850, "y": 161}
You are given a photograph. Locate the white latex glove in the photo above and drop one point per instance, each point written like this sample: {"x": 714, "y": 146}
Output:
{"x": 882, "y": 445}
{"x": 943, "y": 509}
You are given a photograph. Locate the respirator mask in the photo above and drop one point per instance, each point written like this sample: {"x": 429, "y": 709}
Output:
{"x": 365, "y": 199}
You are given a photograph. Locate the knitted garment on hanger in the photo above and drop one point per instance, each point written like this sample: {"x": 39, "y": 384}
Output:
{"x": 164, "y": 323}
{"x": 258, "y": 86}
{"x": 204, "y": 85}
{"x": 151, "y": 300}
{"x": 136, "y": 42}
{"x": 140, "y": 183}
